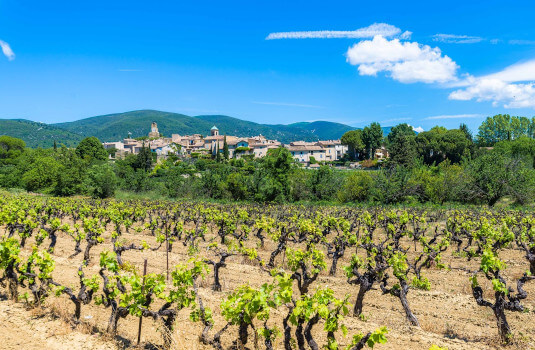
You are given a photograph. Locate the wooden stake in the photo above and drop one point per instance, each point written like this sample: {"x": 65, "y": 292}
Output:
{"x": 142, "y": 290}
{"x": 167, "y": 254}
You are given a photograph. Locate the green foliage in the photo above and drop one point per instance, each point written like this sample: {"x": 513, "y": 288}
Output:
{"x": 377, "y": 337}
{"x": 91, "y": 149}
{"x": 436, "y": 347}
{"x": 354, "y": 142}
{"x": 101, "y": 181}
{"x": 401, "y": 143}
{"x": 494, "y": 175}
{"x": 421, "y": 283}
{"x": 10, "y": 149}
{"x": 9, "y": 252}
{"x": 356, "y": 187}
{"x": 42, "y": 174}
{"x": 503, "y": 127}
{"x": 372, "y": 136}
{"x": 36, "y": 134}
{"x": 116, "y": 127}
{"x": 439, "y": 144}
{"x": 143, "y": 159}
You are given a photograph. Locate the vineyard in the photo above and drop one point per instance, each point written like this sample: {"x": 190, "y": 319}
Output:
{"x": 177, "y": 275}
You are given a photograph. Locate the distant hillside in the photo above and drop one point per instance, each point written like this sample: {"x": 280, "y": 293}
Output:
{"x": 37, "y": 134}
{"x": 115, "y": 127}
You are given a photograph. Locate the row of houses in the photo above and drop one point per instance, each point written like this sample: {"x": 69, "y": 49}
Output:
{"x": 257, "y": 146}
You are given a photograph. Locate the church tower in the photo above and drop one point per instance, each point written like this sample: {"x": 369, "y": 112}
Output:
{"x": 154, "y": 131}
{"x": 214, "y": 131}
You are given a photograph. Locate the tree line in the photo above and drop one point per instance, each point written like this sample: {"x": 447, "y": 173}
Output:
{"x": 437, "y": 166}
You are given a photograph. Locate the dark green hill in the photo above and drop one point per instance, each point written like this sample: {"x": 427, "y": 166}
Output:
{"x": 323, "y": 130}
{"x": 238, "y": 127}
{"x": 114, "y": 127}
{"x": 37, "y": 134}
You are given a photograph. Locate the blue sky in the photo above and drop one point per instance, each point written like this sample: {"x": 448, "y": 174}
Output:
{"x": 417, "y": 62}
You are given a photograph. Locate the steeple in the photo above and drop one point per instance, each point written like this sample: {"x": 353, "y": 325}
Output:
{"x": 214, "y": 131}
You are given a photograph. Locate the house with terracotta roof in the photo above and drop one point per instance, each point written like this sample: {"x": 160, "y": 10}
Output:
{"x": 304, "y": 151}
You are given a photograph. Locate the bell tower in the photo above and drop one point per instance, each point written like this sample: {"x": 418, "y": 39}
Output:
{"x": 214, "y": 131}
{"x": 154, "y": 131}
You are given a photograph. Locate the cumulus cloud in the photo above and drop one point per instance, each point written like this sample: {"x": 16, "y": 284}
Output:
{"x": 407, "y": 62}
{"x": 384, "y": 29}
{"x": 523, "y": 71}
{"x": 6, "y": 49}
{"x": 498, "y": 92}
{"x": 418, "y": 129}
{"x": 457, "y": 39}
{"x": 512, "y": 87}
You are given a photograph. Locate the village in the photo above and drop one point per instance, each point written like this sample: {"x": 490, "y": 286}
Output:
{"x": 307, "y": 153}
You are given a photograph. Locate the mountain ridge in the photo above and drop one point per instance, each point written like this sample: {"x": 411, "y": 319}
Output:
{"x": 117, "y": 126}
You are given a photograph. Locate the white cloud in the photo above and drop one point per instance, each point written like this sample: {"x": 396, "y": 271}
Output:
{"x": 522, "y": 42}
{"x": 407, "y": 62}
{"x": 418, "y": 129}
{"x": 406, "y": 35}
{"x": 524, "y": 71}
{"x": 454, "y": 116}
{"x": 457, "y": 39}
{"x": 6, "y": 49}
{"x": 498, "y": 92}
{"x": 384, "y": 29}
{"x": 512, "y": 87}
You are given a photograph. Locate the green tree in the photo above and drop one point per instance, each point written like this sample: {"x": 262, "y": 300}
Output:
{"x": 401, "y": 145}
{"x": 325, "y": 183}
{"x": 403, "y": 129}
{"x": 41, "y": 174}
{"x": 144, "y": 159}
{"x": 71, "y": 173}
{"x": 494, "y": 175}
{"x": 353, "y": 140}
{"x": 521, "y": 147}
{"x": 10, "y": 148}
{"x": 90, "y": 149}
{"x": 464, "y": 128}
{"x": 225, "y": 148}
{"x": 237, "y": 185}
{"x": 372, "y": 136}
{"x": 356, "y": 187}
{"x": 439, "y": 144}
{"x": 273, "y": 179}
{"x": 503, "y": 127}
{"x": 101, "y": 181}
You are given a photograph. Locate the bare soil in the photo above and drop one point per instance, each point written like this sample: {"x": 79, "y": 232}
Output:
{"x": 448, "y": 313}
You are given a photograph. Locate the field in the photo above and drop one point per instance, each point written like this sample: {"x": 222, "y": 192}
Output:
{"x": 275, "y": 269}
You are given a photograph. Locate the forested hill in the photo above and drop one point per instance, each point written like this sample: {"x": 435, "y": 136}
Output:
{"x": 38, "y": 134}
{"x": 115, "y": 127}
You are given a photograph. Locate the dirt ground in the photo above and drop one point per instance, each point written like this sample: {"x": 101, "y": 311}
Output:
{"x": 448, "y": 313}
{"x": 35, "y": 329}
